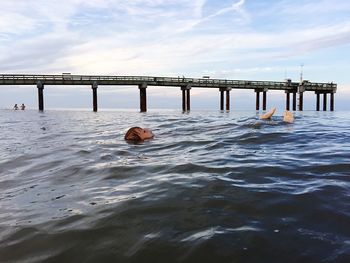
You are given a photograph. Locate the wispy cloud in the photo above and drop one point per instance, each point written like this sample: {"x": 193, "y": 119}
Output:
{"x": 235, "y": 8}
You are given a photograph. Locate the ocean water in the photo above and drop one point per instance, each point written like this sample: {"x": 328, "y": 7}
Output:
{"x": 210, "y": 187}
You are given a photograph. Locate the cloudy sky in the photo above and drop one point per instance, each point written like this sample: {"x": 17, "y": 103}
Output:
{"x": 233, "y": 39}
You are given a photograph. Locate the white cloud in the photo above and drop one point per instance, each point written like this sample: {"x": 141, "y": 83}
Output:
{"x": 14, "y": 22}
{"x": 312, "y": 7}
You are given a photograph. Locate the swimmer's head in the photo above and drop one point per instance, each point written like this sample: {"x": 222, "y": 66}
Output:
{"x": 138, "y": 134}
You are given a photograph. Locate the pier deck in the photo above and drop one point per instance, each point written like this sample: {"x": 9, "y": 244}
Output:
{"x": 224, "y": 85}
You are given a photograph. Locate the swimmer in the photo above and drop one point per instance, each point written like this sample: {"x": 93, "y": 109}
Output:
{"x": 15, "y": 107}
{"x": 23, "y": 107}
{"x": 287, "y": 116}
{"x": 138, "y": 134}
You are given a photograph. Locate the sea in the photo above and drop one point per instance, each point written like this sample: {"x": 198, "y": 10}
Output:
{"x": 211, "y": 186}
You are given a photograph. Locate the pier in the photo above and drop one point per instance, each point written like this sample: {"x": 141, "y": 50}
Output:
{"x": 224, "y": 86}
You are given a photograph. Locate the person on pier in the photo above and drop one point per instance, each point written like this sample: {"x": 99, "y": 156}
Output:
{"x": 287, "y": 116}
{"x": 138, "y": 134}
{"x": 23, "y": 107}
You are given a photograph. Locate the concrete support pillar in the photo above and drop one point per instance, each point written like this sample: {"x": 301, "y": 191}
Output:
{"x": 222, "y": 98}
{"x": 186, "y": 98}
{"x": 301, "y": 102}
{"x": 183, "y": 100}
{"x": 257, "y": 107}
{"x": 301, "y": 90}
{"x": 143, "y": 97}
{"x": 332, "y": 102}
{"x": 324, "y": 101}
{"x": 287, "y": 100}
{"x": 227, "y": 99}
{"x": 294, "y": 101}
{"x": 257, "y": 91}
{"x": 317, "y": 101}
{"x": 94, "y": 96}
{"x": 40, "y": 87}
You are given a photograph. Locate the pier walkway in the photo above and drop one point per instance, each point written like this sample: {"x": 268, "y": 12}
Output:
{"x": 185, "y": 84}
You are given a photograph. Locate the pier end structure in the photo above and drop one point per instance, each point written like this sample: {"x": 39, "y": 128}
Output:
{"x": 186, "y": 84}
{"x": 325, "y": 96}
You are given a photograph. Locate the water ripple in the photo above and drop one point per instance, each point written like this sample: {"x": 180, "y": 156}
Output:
{"x": 210, "y": 187}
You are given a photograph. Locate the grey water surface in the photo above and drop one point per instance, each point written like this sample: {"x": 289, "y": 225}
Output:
{"x": 210, "y": 187}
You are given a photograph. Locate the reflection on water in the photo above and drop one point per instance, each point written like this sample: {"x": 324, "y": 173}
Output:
{"x": 211, "y": 187}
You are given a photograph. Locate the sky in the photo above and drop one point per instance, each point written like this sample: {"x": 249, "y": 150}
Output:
{"x": 230, "y": 39}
